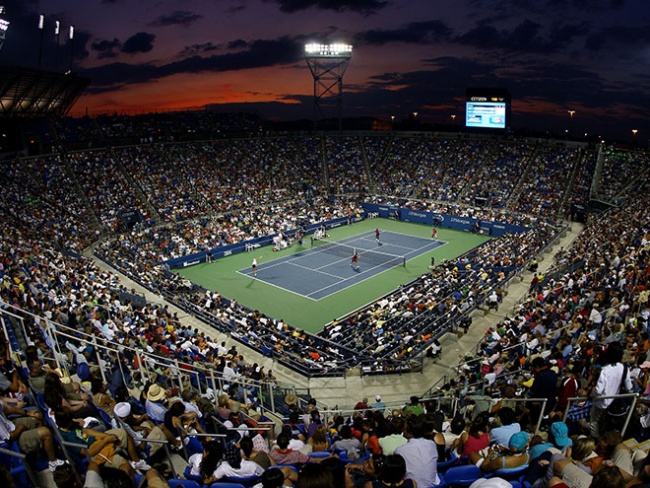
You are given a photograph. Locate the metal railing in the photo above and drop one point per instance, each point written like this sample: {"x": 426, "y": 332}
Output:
{"x": 628, "y": 416}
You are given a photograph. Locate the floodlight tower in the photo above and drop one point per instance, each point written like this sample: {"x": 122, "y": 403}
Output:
{"x": 327, "y": 63}
{"x": 4, "y": 25}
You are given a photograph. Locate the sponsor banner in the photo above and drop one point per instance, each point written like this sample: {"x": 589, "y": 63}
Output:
{"x": 230, "y": 249}
{"x": 443, "y": 220}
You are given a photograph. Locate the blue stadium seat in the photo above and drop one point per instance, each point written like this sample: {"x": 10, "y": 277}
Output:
{"x": 223, "y": 484}
{"x": 190, "y": 476}
{"x": 174, "y": 483}
{"x": 461, "y": 475}
{"x": 247, "y": 481}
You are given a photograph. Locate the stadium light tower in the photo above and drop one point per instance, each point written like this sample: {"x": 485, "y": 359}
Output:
{"x": 327, "y": 63}
{"x": 4, "y": 25}
{"x": 41, "y": 26}
{"x": 57, "y": 33}
{"x": 71, "y": 37}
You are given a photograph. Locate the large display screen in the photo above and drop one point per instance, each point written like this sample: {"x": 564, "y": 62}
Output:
{"x": 485, "y": 115}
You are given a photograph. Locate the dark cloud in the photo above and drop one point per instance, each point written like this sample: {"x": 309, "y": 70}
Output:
{"x": 365, "y": 7}
{"x": 237, "y": 44}
{"x": 619, "y": 38}
{"x": 259, "y": 53}
{"x": 566, "y": 33}
{"x": 142, "y": 42}
{"x": 198, "y": 49}
{"x": 527, "y": 36}
{"x": 178, "y": 17}
{"x": 236, "y": 8}
{"x": 433, "y": 31}
{"x": 106, "y": 48}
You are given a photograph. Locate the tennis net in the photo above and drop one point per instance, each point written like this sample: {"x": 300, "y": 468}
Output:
{"x": 365, "y": 255}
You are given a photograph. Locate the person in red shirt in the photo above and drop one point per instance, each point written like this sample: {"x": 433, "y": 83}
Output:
{"x": 362, "y": 405}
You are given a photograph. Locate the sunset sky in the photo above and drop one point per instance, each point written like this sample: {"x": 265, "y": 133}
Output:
{"x": 591, "y": 56}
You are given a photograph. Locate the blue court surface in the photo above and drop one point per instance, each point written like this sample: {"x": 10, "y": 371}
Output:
{"x": 325, "y": 268}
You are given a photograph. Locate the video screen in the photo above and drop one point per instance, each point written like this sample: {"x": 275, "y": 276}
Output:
{"x": 486, "y": 115}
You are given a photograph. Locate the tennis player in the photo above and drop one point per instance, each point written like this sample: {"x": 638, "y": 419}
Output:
{"x": 254, "y": 266}
{"x": 355, "y": 261}
{"x": 377, "y": 236}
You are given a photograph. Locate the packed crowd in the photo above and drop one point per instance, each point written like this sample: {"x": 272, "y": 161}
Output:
{"x": 346, "y": 169}
{"x": 403, "y": 167}
{"x": 448, "y": 180}
{"x": 543, "y": 187}
{"x": 499, "y": 174}
{"x": 573, "y": 319}
{"x": 106, "y": 188}
{"x": 621, "y": 171}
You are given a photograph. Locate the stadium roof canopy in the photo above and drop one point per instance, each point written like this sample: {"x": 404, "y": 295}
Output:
{"x": 26, "y": 92}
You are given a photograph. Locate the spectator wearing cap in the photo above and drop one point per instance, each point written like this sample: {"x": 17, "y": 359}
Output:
{"x": 513, "y": 456}
{"x": 139, "y": 427}
{"x": 378, "y": 405}
{"x": 558, "y": 438}
{"x": 102, "y": 447}
{"x": 154, "y": 405}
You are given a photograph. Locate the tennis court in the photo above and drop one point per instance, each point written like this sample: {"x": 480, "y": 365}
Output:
{"x": 230, "y": 276}
{"x": 325, "y": 269}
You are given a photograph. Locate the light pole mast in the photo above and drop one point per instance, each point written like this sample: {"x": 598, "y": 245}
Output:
{"x": 327, "y": 63}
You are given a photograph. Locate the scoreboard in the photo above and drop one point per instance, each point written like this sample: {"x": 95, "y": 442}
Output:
{"x": 487, "y": 108}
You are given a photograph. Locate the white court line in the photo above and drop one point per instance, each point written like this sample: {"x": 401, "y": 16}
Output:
{"x": 277, "y": 286}
{"x": 365, "y": 271}
{"x": 292, "y": 258}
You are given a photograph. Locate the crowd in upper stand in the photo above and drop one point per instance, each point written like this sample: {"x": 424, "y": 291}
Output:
{"x": 621, "y": 172}
{"x": 543, "y": 187}
{"x": 106, "y": 187}
{"x": 500, "y": 173}
{"x": 345, "y": 165}
{"x": 459, "y": 165}
{"x": 405, "y": 163}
